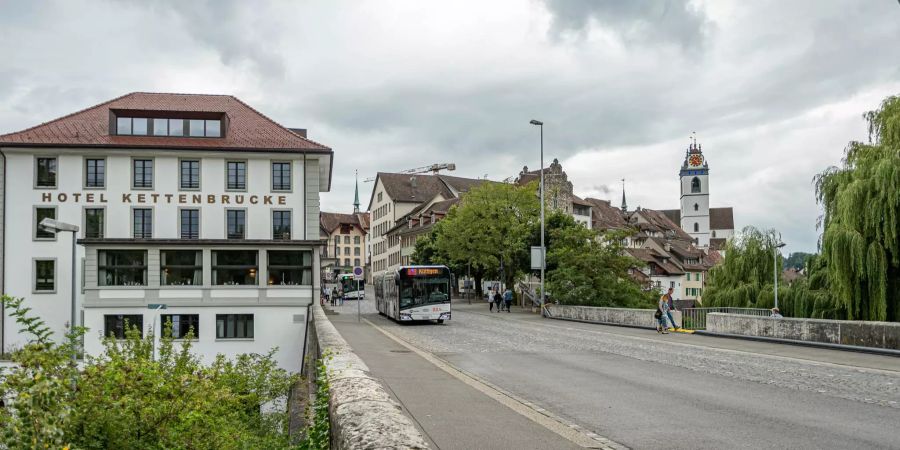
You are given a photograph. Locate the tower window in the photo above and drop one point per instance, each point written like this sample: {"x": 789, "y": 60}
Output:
{"x": 696, "y": 227}
{"x": 695, "y": 185}
{"x": 696, "y": 207}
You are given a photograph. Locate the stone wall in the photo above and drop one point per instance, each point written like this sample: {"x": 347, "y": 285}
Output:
{"x": 843, "y": 332}
{"x": 362, "y": 413}
{"x": 614, "y": 316}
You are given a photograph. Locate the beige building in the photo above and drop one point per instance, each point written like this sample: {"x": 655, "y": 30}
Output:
{"x": 394, "y": 197}
{"x": 345, "y": 235}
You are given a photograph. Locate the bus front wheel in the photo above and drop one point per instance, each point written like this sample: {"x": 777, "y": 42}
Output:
{"x": 440, "y": 321}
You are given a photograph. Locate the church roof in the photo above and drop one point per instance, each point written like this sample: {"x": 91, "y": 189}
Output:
{"x": 719, "y": 218}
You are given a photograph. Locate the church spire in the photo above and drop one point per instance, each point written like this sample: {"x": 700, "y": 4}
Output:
{"x": 356, "y": 195}
{"x": 624, "y": 204}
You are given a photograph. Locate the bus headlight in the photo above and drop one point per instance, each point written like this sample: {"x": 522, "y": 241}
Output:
{"x": 405, "y": 316}
{"x": 445, "y": 316}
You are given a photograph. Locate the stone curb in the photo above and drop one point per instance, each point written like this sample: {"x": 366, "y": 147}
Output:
{"x": 361, "y": 412}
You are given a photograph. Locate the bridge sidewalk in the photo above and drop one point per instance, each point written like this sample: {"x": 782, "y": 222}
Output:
{"x": 452, "y": 414}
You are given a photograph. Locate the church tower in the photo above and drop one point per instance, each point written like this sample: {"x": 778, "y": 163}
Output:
{"x": 695, "y": 194}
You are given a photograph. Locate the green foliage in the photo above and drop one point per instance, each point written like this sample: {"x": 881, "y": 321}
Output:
{"x": 492, "y": 223}
{"x": 40, "y": 390}
{"x": 127, "y": 398}
{"x": 746, "y": 276}
{"x": 318, "y": 433}
{"x": 861, "y": 238}
{"x": 592, "y": 269}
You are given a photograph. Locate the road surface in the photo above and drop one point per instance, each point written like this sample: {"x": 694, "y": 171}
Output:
{"x": 634, "y": 387}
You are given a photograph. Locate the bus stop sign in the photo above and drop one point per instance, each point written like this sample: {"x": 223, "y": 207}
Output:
{"x": 358, "y": 273}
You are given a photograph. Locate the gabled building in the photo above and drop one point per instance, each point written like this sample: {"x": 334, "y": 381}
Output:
{"x": 394, "y": 197}
{"x": 345, "y": 236}
{"x": 192, "y": 209}
{"x": 417, "y": 223}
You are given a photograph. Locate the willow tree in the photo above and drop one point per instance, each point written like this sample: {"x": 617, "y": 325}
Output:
{"x": 861, "y": 220}
{"x": 745, "y": 278}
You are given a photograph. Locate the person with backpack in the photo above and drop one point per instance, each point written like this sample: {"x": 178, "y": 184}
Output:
{"x": 498, "y": 299}
{"x": 507, "y": 299}
{"x": 670, "y": 305}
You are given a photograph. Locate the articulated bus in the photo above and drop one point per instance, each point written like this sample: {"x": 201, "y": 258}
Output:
{"x": 414, "y": 293}
{"x": 350, "y": 288}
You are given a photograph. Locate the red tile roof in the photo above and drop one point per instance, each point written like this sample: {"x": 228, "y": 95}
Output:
{"x": 248, "y": 129}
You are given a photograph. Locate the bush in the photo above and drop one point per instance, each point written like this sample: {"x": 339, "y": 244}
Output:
{"x": 126, "y": 398}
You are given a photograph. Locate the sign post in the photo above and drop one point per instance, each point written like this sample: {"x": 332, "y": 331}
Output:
{"x": 358, "y": 274}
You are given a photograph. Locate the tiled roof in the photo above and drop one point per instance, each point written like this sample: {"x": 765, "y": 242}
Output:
{"x": 406, "y": 188}
{"x": 717, "y": 243}
{"x": 661, "y": 220}
{"x": 719, "y": 218}
{"x": 460, "y": 184}
{"x": 330, "y": 221}
{"x": 604, "y": 215}
{"x": 247, "y": 128}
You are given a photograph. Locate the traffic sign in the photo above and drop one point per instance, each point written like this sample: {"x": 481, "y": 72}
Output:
{"x": 358, "y": 273}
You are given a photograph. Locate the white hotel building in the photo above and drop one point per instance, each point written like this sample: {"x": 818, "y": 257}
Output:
{"x": 196, "y": 202}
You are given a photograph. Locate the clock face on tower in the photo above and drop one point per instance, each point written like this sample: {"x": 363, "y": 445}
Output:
{"x": 695, "y": 160}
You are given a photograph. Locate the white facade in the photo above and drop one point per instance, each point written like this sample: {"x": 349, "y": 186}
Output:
{"x": 272, "y": 305}
{"x": 694, "y": 177}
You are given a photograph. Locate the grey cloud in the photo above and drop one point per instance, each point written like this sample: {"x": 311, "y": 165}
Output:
{"x": 635, "y": 21}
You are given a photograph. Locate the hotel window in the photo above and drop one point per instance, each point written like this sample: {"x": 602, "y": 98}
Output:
{"x": 46, "y": 172}
{"x": 160, "y": 127}
{"x": 123, "y": 125}
{"x": 94, "y": 173}
{"x": 182, "y": 325}
{"x": 181, "y": 268}
{"x": 190, "y": 174}
{"x": 45, "y": 275}
{"x": 236, "y": 221}
{"x": 196, "y": 128}
{"x": 116, "y": 325}
{"x": 139, "y": 126}
{"x": 234, "y": 326}
{"x": 39, "y": 215}
{"x": 281, "y": 176}
{"x": 176, "y": 127}
{"x": 142, "y": 223}
{"x": 236, "y": 175}
{"x": 289, "y": 268}
{"x": 94, "y": 222}
{"x": 142, "y": 173}
{"x": 213, "y": 128}
{"x": 190, "y": 224}
{"x": 356, "y": 240}
{"x": 281, "y": 225}
{"x": 355, "y": 251}
{"x": 122, "y": 268}
{"x": 234, "y": 267}
{"x": 346, "y": 239}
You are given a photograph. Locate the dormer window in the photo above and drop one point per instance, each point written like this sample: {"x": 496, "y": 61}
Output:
{"x": 143, "y": 123}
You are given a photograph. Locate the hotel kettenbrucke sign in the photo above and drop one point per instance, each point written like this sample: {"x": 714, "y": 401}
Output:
{"x": 153, "y": 198}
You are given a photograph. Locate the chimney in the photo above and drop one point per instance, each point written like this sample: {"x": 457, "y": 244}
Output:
{"x": 300, "y": 131}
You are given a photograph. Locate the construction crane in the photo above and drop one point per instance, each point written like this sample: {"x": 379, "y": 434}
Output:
{"x": 434, "y": 169}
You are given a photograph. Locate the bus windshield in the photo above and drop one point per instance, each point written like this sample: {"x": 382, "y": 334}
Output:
{"x": 417, "y": 291}
{"x": 348, "y": 284}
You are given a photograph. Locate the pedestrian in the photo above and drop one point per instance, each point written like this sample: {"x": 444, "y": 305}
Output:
{"x": 334, "y": 294}
{"x": 507, "y": 299}
{"x": 490, "y": 299}
{"x": 341, "y": 297}
{"x": 776, "y": 314}
{"x": 498, "y": 299}
{"x": 660, "y": 317}
{"x": 670, "y": 305}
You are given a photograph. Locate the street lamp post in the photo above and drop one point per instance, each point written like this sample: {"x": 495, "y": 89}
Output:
{"x": 55, "y": 226}
{"x": 543, "y": 250}
{"x": 775, "y": 268}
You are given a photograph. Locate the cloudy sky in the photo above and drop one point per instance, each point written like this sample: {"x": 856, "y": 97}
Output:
{"x": 774, "y": 89}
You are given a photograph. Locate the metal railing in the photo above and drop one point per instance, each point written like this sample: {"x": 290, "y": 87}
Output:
{"x": 529, "y": 293}
{"x": 695, "y": 318}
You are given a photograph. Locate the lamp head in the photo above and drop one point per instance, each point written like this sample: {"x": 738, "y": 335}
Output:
{"x": 536, "y": 122}
{"x": 780, "y": 245}
{"x": 55, "y": 226}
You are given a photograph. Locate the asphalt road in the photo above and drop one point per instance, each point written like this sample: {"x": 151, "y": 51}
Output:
{"x": 644, "y": 390}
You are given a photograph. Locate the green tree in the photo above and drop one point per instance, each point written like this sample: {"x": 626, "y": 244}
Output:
{"x": 591, "y": 269}
{"x": 861, "y": 220}
{"x": 746, "y": 276}
{"x": 796, "y": 260}
{"x": 491, "y": 224}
